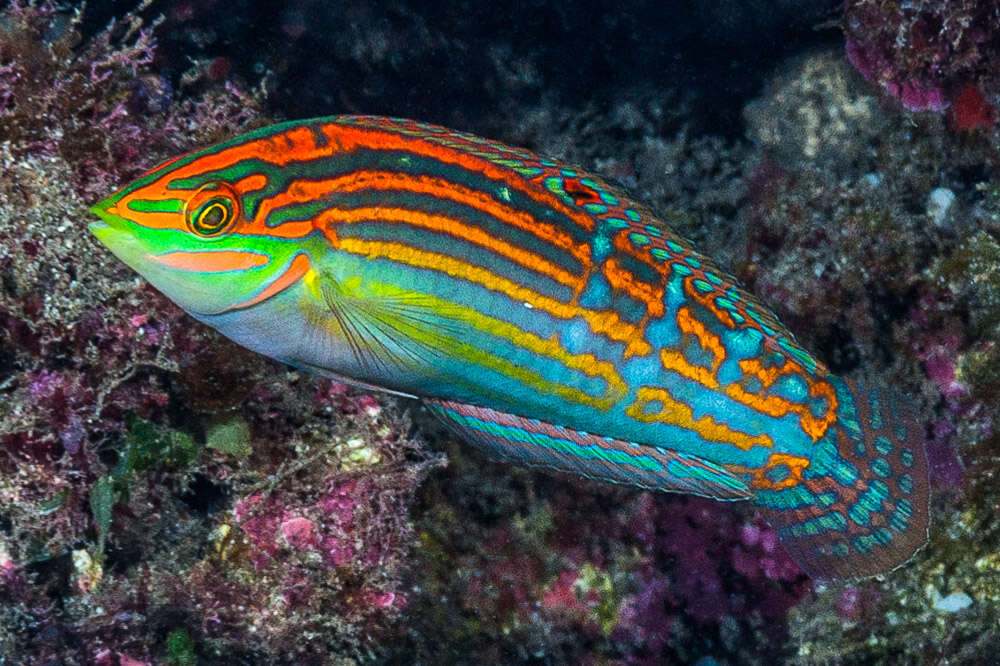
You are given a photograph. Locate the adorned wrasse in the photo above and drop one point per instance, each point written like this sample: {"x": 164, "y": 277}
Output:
{"x": 535, "y": 309}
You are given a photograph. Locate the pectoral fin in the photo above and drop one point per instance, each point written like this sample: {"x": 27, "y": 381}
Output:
{"x": 386, "y": 328}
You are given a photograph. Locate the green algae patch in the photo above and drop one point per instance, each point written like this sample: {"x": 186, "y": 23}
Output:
{"x": 149, "y": 447}
{"x": 602, "y": 585}
{"x": 230, "y": 436}
{"x": 102, "y": 500}
{"x": 973, "y": 269}
{"x": 53, "y": 504}
{"x": 180, "y": 649}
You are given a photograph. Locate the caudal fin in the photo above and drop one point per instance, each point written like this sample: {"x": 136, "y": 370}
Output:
{"x": 861, "y": 507}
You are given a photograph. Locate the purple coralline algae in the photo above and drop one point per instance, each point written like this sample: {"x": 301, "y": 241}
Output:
{"x": 931, "y": 55}
{"x": 576, "y": 573}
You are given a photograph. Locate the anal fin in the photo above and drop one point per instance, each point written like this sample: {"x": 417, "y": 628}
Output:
{"x": 537, "y": 443}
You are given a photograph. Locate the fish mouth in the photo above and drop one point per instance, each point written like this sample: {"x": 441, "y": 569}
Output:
{"x": 108, "y": 219}
{"x": 116, "y": 233}
{"x": 122, "y": 238}
{"x": 112, "y": 230}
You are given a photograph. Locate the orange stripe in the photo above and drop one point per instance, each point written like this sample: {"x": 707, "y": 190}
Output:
{"x": 603, "y": 323}
{"x": 708, "y": 300}
{"x": 299, "y": 267}
{"x": 665, "y": 409}
{"x": 624, "y": 244}
{"x": 298, "y": 145}
{"x": 302, "y": 191}
{"x": 708, "y": 340}
{"x": 350, "y": 138}
{"x": 777, "y": 407}
{"x": 675, "y": 361}
{"x": 768, "y": 376}
{"x": 456, "y": 229}
{"x": 155, "y": 220}
{"x": 251, "y": 183}
{"x": 286, "y": 147}
{"x": 211, "y": 261}
{"x": 295, "y": 144}
{"x": 622, "y": 280}
{"x": 759, "y": 480}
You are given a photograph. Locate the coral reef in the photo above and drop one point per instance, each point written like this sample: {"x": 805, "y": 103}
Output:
{"x": 876, "y": 242}
{"x": 930, "y": 55}
{"x": 885, "y": 257}
{"x": 563, "y": 571}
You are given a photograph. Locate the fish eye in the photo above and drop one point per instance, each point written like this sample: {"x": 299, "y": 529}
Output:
{"x": 212, "y": 217}
{"x": 212, "y": 211}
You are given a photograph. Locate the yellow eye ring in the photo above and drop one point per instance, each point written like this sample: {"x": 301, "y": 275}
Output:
{"x": 212, "y": 217}
{"x": 212, "y": 211}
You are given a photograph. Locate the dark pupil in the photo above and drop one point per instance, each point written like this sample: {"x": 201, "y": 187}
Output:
{"x": 213, "y": 217}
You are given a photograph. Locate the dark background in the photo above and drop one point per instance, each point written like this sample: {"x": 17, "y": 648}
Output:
{"x": 469, "y": 64}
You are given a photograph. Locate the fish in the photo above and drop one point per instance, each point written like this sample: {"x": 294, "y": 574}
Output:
{"x": 534, "y": 308}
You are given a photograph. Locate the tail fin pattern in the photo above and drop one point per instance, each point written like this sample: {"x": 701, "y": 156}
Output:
{"x": 862, "y": 506}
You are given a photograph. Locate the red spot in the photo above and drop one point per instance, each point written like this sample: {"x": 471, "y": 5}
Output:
{"x": 971, "y": 110}
{"x": 219, "y": 68}
{"x": 581, "y": 193}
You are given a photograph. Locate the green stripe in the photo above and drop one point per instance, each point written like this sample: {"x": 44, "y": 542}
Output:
{"x": 157, "y": 205}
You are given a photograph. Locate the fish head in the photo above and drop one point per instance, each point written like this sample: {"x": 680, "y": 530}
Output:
{"x": 193, "y": 229}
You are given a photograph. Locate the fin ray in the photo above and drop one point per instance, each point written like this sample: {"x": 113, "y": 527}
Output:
{"x": 387, "y": 332}
{"x": 540, "y": 444}
{"x": 861, "y": 508}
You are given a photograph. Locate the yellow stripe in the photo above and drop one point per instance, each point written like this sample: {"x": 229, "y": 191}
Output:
{"x": 675, "y": 361}
{"x": 551, "y": 349}
{"x": 608, "y": 324}
{"x": 457, "y": 229}
{"x": 441, "y": 338}
{"x": 673, "y": 412}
